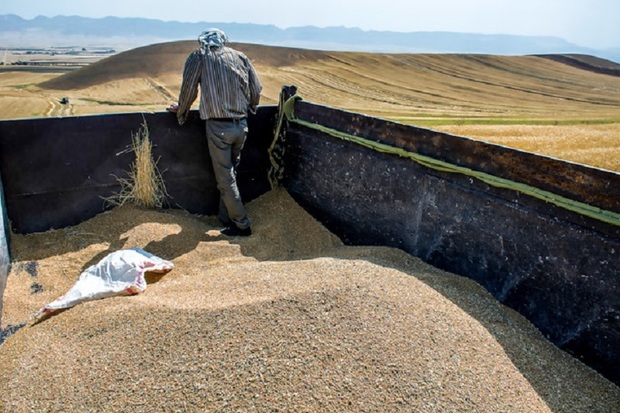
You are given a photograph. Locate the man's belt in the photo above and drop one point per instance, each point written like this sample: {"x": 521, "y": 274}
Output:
{"x": 227, "y": 119}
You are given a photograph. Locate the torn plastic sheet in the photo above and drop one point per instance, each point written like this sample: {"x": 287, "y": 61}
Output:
{"x": 119, "y": 273}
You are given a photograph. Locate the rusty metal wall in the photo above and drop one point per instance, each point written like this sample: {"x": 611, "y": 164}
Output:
{"x": 560, "y": 269}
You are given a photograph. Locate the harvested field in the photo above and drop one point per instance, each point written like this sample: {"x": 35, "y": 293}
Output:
{"x": 594, "y": 145}
{"x": 504, "y": 94}
{"x": 288, "y": 319}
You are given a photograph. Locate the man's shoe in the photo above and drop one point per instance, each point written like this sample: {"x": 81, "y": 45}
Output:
{"x": 234, "y": 230}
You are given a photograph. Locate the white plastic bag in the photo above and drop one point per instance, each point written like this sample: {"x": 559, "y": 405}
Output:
{"x": 119, "y": 273}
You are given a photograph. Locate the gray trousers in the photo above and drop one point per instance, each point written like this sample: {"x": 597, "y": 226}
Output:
{"x": 226, "y": 139}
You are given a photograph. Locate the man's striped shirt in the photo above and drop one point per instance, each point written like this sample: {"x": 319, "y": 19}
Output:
{"x": 229, "y": 85}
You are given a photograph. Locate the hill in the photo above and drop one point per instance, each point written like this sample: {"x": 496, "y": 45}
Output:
{"x": 389, "y": 84}
{"x": 586, "y": 62}
{"x": 544, "y": 104}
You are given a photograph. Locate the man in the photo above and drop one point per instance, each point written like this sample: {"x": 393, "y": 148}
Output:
{"x": 229, "y": 89}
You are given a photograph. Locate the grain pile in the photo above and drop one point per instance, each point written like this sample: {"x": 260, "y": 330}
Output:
{"x": 287, "y": 320}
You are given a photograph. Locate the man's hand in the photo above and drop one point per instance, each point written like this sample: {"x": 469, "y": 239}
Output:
{"x": 173, "y": 108}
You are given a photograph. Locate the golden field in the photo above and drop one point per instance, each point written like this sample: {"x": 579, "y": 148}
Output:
{"x": 526, "y": 102}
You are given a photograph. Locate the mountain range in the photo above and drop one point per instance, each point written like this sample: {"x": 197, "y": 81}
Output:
{"x": 127, "y": 33}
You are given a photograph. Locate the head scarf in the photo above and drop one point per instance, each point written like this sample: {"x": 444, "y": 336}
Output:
{"x": 212, "y": 38}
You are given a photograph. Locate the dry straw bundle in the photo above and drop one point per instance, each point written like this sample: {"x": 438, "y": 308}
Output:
{"x": 144, "y": 185}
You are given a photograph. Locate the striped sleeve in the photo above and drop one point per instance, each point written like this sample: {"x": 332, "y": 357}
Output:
{"x": 189, "y": 85}
{"x": 255, "y": 87}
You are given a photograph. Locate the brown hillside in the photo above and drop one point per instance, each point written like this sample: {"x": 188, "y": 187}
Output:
{"x": 587, "y": 62}
{"x": 147, "y": 61}
{"x": 168, "y": 59}
{"x": 389, "y": 85}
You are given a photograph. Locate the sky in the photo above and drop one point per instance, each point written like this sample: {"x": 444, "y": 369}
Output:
{"x": 588, "y": 23}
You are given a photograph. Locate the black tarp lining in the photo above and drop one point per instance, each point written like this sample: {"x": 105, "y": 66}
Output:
{"x": 556, "y": 267}
{"x": 67, "y": 167}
